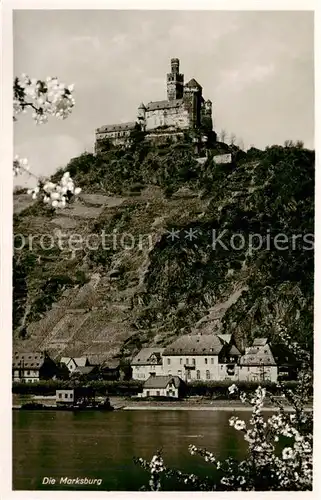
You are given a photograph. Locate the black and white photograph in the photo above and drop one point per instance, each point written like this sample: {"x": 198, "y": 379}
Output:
{"x": 162, "y": 249}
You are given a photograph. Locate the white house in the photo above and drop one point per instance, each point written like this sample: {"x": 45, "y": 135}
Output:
{"x": 258, "y": 363}
{"x": 147, "y": 362}
{"x": 202, "y": 357}
{"x": 207, "y": 357}
{"x": 31, "y": 367}
{"x": 74, "y": 363}
{"x": 163, "y": 385}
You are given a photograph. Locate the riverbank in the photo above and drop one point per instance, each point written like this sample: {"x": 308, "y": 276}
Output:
{"x": 192, "y": 403}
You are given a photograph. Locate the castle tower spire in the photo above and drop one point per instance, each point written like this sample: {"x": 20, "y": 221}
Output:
{"x": 175, "y": 81}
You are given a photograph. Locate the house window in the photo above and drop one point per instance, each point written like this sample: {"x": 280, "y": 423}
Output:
{"x": 180, "y": 361}
{"x": 198, "y": 375}
{"x": 70, "y": 395}
{"x": 158, "y": 393}
{"x": 208, "y": 375}
{"x": 248, "y": 368}
{"x": 66, "y": 396}
{"x": 28, "y": 372}
{"x": 212, "y": 361}
{"x": 205, "y": 361}
{"x": 187, "y": 361}
{"x": 137, "y": 368}
{"x": 168, "y": 361}
{"x": 188, "y": 374}
{"x": 60, "y": 395}
{"x": 193, "y": 361}
{"x": 147, "y": 393}
{"x": 179, "y": 373}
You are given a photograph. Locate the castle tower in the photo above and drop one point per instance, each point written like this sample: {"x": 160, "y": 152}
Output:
{"x": 175, "y": 81}
{"x": 193, "y": 102}
{"x": 141, "y": 114}
{"x": 207, "y": 115}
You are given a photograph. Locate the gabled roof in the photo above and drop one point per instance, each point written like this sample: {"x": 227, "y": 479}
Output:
{"x": 175, "y": 103}
{"x": 195, "y": 344}
{"x": 258, "y": 356}
{"x": 234, "y": 351}
{"x": 144, "y": 356}
{"x": 113, "y": 364}
{"x": 28, "y": 360}
{"x": 65, "y": 360}
{"x": 84, "y": 370}
{"x": 283, "y": 355}
{"x": 83, "y": 361}
{"x": 192, "y": 84}
{"x": 162, "y": 381}
{"x": 226, "y": 337}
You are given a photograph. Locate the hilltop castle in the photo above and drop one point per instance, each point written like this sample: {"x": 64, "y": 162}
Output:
{"x": 185, "y": 109}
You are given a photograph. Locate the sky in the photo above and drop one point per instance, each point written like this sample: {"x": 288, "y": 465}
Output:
{"x": 257, "y": 67}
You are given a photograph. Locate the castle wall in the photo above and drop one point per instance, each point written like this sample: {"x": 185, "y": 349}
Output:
{"x": 119, "y": 138}
{"x": 172, "y": 117}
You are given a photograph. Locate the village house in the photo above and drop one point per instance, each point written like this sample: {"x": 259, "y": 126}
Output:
{"x": 32, "y": 367}
{"x": 163, "y": 386}
{"x": 86, "y": 373}
{"x": 74, "y": 363}
{"x": 147, "y": 362}
{"x": 287, "y": 363}
{"x": 111, "y": 370}
{"x": 208, "y": 357}
{"x": 258, "y": 363}
{"x": 202, "y": 357}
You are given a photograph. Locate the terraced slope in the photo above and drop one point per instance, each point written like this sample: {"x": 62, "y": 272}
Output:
{"x": 158, "y": 274}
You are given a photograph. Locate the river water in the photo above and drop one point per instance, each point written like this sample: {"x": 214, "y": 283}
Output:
{"x": 50, "y": 445}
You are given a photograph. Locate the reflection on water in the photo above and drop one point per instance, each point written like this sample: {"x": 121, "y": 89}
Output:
{"x": 102, "y": 445}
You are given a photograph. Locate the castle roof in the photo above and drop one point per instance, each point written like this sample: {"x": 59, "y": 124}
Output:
{"x": 195, "y": 344}
{"x": 117, "y": 127}
{"x": 193, "y": 83}
{"x": 175, "y": 103}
